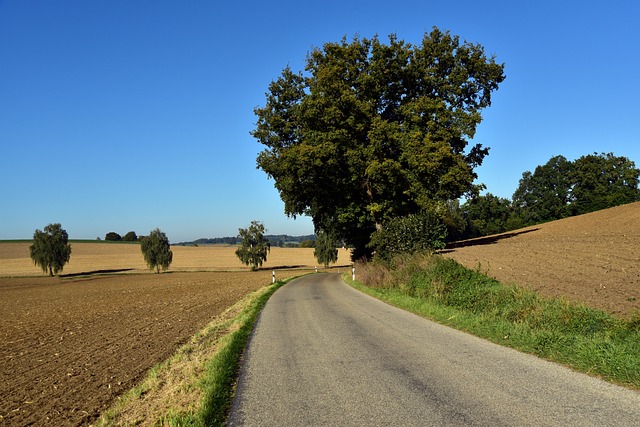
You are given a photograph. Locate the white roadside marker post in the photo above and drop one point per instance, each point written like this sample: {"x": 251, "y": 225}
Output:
{"x": 273, "y": 277}
{"x": 353, "y": 273}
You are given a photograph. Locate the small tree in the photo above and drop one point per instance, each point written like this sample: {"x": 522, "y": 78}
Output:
{"x": 254, "y": 247}
{"x": 113, "y": 236}
{"x": 325, "y": 249}
{"x": 50, "y": 249}
{"x": 130, "y": 237}
{"x": 156, "y": 250}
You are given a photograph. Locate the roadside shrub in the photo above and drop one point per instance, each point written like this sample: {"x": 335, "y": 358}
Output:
{"x": 374, "y": 274}
{"x": 421, "y": 232}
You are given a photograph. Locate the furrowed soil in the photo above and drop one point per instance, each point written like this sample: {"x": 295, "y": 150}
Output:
{"x": 71, "y": 344}
{"x": 593, "y": 259}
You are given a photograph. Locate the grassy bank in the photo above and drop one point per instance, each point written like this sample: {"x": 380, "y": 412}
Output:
{"x": 583, "y": 338}
{"x": 197, "y": 385}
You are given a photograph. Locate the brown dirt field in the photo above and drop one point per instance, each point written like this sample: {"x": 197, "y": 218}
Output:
{"x": 592, "y": 259}
{"x": 70, "y": 345}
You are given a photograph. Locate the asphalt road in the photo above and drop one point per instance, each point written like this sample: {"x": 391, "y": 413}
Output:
{"x": 323, "y": 353}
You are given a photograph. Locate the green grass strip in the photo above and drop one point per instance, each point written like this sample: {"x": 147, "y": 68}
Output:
{"x": 585, "y": 339}
{"x": 222, "y": 371}
{"x": 213, "y": 355}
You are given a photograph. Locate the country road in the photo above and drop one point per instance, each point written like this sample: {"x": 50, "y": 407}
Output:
{"x": 325, "y": 354}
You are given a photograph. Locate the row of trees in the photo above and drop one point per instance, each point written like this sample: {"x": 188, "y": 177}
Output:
{"x": 131, "y": 236}
{"x": 51, "y": 249}
{"x": 558, "y": 189}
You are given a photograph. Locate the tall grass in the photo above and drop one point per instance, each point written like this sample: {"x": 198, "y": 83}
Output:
{"x": 584, "y": 338}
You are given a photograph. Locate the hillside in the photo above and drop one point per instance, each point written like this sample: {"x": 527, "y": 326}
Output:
{"x": 592, "y": 259}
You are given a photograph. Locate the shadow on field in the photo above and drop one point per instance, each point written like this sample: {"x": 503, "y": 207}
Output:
{"x": 91, "y": 273}
{"x": 484, "y": 240}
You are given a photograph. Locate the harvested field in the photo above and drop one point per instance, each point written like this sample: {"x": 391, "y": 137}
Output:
{"x": 70, "y": 345}
{"x": 127, "y": 257}
{"x": 592, "y": 259}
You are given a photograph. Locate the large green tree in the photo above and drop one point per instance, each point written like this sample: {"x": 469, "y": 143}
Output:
{"x": 486, "y": 215}
{"x": 254, "y": 246}
{"x": 602, "y": 181}
{"x": 561, "y": 188}
{"x": 50, "y": 249}
{"x": 373, "y": 131}
{"x": 545, "y": 194}
{"x": 156, "y": 250}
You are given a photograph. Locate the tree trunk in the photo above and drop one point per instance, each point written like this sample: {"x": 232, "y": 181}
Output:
{"x": 50, "y": 271}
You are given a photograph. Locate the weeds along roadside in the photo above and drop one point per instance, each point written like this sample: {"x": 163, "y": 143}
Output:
{"x": 585, "y": 339}
{"x": 196, "y": 386}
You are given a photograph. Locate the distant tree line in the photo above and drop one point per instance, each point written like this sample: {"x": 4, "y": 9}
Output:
{"x": 279, "y": 240}
{"x": 558, "y": 189}
{"x": 131, "y": 236}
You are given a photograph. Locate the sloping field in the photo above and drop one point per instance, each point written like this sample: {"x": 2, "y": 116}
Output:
{"x": 592, "y": 259}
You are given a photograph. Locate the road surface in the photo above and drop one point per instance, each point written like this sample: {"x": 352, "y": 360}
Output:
{"x": 323, "y": 353}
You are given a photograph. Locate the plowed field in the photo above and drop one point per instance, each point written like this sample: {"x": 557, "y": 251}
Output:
{"x": 69, "y": 345}
{"x": 592, "y": 259}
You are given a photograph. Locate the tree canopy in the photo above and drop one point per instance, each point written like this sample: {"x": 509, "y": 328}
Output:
{"x": 562, "y": 188}
{"x": 50, "y": 249}
{"x": 487, "y": 214}
{"x": 375, "y": 131}
{"x": 254, "y": 246}
{"x": 156, "y": 250}
{"x": 602, "y": 181}
{"x": 131, "y": 236}
{"x": 545, "y": 194}
{"x": 113, "y": 236}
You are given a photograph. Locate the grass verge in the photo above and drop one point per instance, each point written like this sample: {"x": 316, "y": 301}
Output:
{"x": 585, "y": 339}
{"x": 196, "y": 386}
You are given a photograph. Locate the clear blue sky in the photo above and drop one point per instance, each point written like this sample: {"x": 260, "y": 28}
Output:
{"x": 131, "y": 115}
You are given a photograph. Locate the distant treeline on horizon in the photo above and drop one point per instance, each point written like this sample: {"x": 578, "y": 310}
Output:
{"x": 274, "y": 239}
